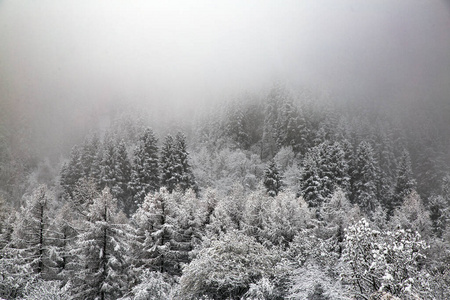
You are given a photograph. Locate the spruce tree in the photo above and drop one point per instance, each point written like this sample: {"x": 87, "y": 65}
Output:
{"x": 272, "y": 179}
{"x": 168, "y": 163}
{"x": 71, "y": 172}
{"x": 108, "y": 164}
{"x": 175, "y": 167}
{"x": 101, "y": 252}
{"x": 405, "y": 182}
{"x": 145, "y": 168}
{"x": 365, "y": 178}
{"x": 122, "y": 170}
{"x": 186, "y": 177}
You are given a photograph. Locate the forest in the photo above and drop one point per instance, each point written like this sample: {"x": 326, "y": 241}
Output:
{"x": 268, "y": 196}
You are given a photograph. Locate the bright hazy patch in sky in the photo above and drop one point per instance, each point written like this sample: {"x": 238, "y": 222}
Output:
{"x": 71, "y": 58}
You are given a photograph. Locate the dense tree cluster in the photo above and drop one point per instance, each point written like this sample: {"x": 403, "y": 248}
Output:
{"x": 278, "y": 199}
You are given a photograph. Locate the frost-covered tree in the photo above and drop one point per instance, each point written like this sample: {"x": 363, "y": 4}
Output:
{"x": 384, "y": 261}
{"x": 154, "y": 234}
{"x": 169, "y": 164}
{"x": 71, "y": 172}
{"x": 145, "y": 167}
{"x": 101, "y": 252}
{"x": 405, "y": 184}
{"x": 311, "y": 185}
{"x": 412, "y": 215}
{"x": 64, "y": 233}
{"x": 108, "y": 164}
{"x": 228, "y": 213}
{"x": 183, "y": 168}
{"x": 284, "y": 217}
{"x": 152, "y": 285}
{"x": 31, "y": 237}
{"x": 226, "y": 267}
{"x": 273, "y": 181}
{"x": 364, "y": 177}
{"x": 90, "y": 148}
{"x": 122, "y": 170}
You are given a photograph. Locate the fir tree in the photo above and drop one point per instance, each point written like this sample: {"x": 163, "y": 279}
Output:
{"x": 88, "y": 153}
{"x": 108, "y": 164}
{"x": 145, "y": 168}
{"x": 175, "y": 167}
{"x": 405, "y": 183}
{"x": 365, "y": 178}
{"x": 71, "y": 172}
{"x": 168, "y": 163}
{"x": 272, "y": 179}
{"x": 122, "y": 169}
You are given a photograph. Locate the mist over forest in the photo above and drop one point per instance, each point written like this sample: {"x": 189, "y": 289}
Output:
{"x": 226, "y": 150}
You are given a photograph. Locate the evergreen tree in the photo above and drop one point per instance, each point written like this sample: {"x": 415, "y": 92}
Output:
{"x": 71, "y": 172}
{"x": 122, "y": 169}
{"x": 108, "y": 164}
{"x": 101, "y": 251}
{"x": 153, "y": 244}
{"x": 168, "y": 163}
{"x": 311, "y": 186}
{"x": 272, "y": 179}
{"x": 175, "y": 167}
{"x": 88, "y": 153}
{"x": 183, "y": 168}
{"x": 145, "y": 168}
{"x": 365, "y": 178}
{"x": 405, "y": 183}
{"x": 31, "y": 236}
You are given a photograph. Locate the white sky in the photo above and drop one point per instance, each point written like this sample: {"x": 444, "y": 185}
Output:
{"x": 73, "y": 57}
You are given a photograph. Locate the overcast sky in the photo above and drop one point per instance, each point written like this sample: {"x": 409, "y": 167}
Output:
{"x": 72, "y": 58}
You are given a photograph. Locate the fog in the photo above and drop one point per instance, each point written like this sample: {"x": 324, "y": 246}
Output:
{"x": 65, "y": 64}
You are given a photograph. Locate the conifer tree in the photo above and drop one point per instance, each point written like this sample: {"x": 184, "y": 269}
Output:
{"x": 71, "y": 172}
{"x": 272, "y": 179}
{"x": 31, "y": 236}
{"x": 145, "y": 168}
{"x": 405, "y": 183}
{"x": 175, "y": 167}
{"x": 153, "y": 245}
{"x": 122, "y": 170}
{"x": 311, "y": 186}
{"x": 365, "y": 178}
{"x": 168, "y": 163}
{"x": 187, "y": 180}
{"x": 101, "y": 252}
{"x": 108, "y": 164}
{"x": 88, "y": 153}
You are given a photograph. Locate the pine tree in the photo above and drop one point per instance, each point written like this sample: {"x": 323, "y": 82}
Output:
{"x": 272, "y": 179}
{"x": 187, "y": 180}
{"x": 101, "y": 252}
{"x": 145, "y": 168}
{"x": 365, "y": 178}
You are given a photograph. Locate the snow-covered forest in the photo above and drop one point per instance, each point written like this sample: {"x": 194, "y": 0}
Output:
{"x": 264, "y": 198}
{"x": 235, "y": 150}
